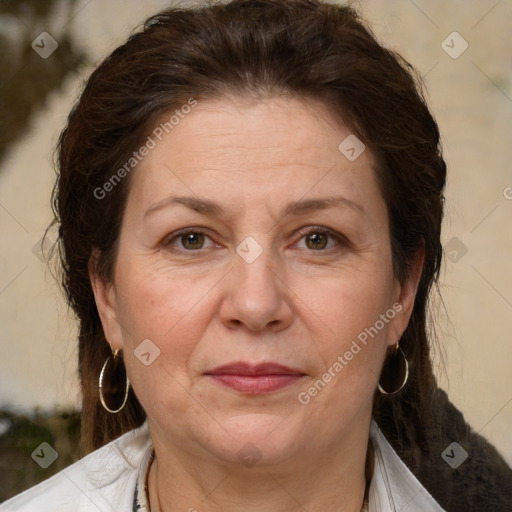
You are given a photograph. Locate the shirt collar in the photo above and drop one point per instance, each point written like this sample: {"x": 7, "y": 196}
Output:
{"x": 393, "y": 487}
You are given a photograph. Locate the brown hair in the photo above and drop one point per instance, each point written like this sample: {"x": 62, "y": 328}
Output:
{"x": 257, "y": 49}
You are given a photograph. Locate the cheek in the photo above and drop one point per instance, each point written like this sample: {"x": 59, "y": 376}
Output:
{"x": 350, "y": 364}
{"x": 354, "y": 314}
{"x": 346, "y": 305}
{"x": 172, "y": 313}
{"x": 156, "y": 303}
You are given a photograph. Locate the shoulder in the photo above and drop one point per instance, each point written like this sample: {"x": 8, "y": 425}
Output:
{"x": 480, "y": 479}
{"x": 103, "y": 480}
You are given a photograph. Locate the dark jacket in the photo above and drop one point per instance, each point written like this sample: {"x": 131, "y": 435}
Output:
{"x": 478, "y": 482}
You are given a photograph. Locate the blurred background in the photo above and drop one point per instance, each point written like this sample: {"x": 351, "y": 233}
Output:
{"x": 463, "y": 50}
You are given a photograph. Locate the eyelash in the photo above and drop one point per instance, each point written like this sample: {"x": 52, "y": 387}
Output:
{"x": 303, "y": 232}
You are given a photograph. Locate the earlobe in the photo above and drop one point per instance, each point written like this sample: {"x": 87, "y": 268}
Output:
{"x": 105, "y": 297}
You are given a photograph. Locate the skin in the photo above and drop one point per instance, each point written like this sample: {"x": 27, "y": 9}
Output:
{"x": 298, "y": 304}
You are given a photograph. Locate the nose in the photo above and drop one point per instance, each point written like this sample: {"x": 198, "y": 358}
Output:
{"x": 255, "y": 293}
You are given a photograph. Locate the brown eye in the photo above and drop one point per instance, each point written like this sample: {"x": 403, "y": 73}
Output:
{"x": 316, "y": 240}
{"x": 192, "y": 240}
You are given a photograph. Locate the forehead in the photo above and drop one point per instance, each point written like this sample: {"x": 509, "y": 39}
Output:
{"x": 253, "y": 151}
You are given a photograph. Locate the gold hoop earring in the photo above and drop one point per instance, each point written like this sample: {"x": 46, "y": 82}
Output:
{"x": 113, "y": 391}
{"x": 395, "y": 365}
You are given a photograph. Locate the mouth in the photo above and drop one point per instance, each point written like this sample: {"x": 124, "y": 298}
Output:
{"x": 255, "y": 379}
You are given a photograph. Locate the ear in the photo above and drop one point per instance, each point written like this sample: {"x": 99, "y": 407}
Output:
{"x": 405, "y": 295}
{"x": 105, "y": 297}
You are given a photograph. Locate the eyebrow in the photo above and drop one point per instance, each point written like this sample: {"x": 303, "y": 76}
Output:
{"x": 295, "y": 208}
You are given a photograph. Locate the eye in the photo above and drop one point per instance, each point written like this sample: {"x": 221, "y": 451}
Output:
{"x": 317, "y": 238}
{"x": 191, "y": 240}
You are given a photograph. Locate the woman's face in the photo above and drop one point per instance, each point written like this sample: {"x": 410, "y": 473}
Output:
{"x": 257, "y": 279}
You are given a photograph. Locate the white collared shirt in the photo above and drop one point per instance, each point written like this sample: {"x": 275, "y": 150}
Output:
{"x": 105, "y": 480}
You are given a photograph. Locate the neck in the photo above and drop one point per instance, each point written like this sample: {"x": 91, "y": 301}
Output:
{"x": 332, "y": 481}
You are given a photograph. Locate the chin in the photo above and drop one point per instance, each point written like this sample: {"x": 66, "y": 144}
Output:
{"x": 262, "y": 439}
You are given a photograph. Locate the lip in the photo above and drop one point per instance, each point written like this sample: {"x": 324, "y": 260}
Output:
{"x": 243, "y": 368}
{"x": 255, "y": 379}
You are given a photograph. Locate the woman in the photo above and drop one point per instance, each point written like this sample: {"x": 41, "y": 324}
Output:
{"x": 249, "y": 202}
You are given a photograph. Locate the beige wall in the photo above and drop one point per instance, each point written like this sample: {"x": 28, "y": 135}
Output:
{"x": 471, "y": 97}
